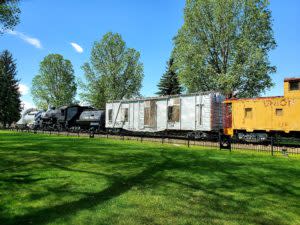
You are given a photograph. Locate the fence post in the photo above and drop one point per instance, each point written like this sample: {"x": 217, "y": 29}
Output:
{"x": 188, "y": 142}
{"x": 220, "y": 141}
{"x": 272, "y": 146}
{"x": 92, "y": 134}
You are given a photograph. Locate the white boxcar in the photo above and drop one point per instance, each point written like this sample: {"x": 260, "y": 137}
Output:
{"x": 189, "y": 112}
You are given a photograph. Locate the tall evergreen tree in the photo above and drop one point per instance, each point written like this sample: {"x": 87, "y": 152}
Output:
{"x": 169, "y": 83}
{"x": 10, "y": 103}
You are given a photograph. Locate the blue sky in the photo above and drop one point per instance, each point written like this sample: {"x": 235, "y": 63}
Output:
{"x": 49, "y": 26}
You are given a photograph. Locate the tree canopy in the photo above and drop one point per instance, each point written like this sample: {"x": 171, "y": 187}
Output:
{"x": 223, "y": 45}
{"x": 114, "y": 72}
{"x": 10, "y": 103}
{"x": 55, "y": 84}
{"x": 9, "y": 14}
{"x": 169, "y": 83}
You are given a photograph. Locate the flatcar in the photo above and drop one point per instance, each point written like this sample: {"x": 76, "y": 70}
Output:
{"x": 199, "y": 114}
{"x": 265, "y": 116}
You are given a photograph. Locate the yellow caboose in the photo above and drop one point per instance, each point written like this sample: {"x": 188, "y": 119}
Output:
{"x": 265, "y": 114}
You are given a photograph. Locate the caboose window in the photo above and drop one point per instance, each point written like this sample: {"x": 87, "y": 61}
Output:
{"x": 110, "y": 115}
{"x": 294, "y": 85}
{"x": 279, "y": 112}
{"x": 248, "y": 113}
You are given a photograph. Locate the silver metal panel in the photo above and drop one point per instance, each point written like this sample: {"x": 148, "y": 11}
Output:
{"x": 211, "y": 113}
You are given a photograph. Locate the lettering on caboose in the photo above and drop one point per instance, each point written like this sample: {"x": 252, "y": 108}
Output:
{"x": 279, "y": 102}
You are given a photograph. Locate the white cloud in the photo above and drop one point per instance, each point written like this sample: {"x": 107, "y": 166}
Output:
{"x": 23, "y": 89}
{"x": 77, "y": 47}
{"x": 30, "y": 40}
{"x": 27, "y": 105}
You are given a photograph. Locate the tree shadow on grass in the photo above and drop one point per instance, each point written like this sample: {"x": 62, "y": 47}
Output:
{"x": 118, "y": 186}
{"x": 21, "y": 179}
{"x": 155, "y": 163}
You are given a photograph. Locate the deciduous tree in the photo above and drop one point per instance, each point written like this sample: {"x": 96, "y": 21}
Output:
{"x": 114, "y": 72}
{"x": 55, "y": 84}
{"x": 224, "y": 45}
{"x": 9, "y": 14}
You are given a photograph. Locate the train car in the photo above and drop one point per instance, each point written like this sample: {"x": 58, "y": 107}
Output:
{"x": 265, "y": 116}
{"x": 27, "y": 118}
{"x": 92, "y": 120}
{"x": 72, "y": 117}
{"x": 49, "y": 118}
{"x": 70, "y": 114}
{"x": 190, "y": 112}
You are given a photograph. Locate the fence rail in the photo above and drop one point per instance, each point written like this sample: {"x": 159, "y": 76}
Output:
{"x": 271, "y": 146}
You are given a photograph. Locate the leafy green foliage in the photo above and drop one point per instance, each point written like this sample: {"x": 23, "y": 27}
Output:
{"x": 55, "y": 84}
{"x": 10, "y": 103}
{"x": 224, "y": 45}
{"x": 69, "y": 180}
{"x": 115, "y": 71}
{"x": 9, "y": 14}
{"x": 169, "y": 83}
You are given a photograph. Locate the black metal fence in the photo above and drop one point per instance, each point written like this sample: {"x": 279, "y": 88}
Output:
{"x": 272, "y": 145}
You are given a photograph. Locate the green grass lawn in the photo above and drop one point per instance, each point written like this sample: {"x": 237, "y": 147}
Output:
{"x": 69, "y": 180}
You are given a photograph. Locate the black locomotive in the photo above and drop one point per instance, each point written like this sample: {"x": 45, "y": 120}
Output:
{"x": 73, "y": 118}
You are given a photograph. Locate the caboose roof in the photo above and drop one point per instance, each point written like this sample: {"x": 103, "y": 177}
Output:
{"x": 291, "y": 79}
{"x": 163, "y": 97}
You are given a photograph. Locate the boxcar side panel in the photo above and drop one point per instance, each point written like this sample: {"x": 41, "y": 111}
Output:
{"x": 161, "y": 114}
{"x": 188, "y": 113}
{"x": 203, "y": 113}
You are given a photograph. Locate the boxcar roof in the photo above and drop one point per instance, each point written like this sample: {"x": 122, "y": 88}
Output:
{"x": 162, "y": 97}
